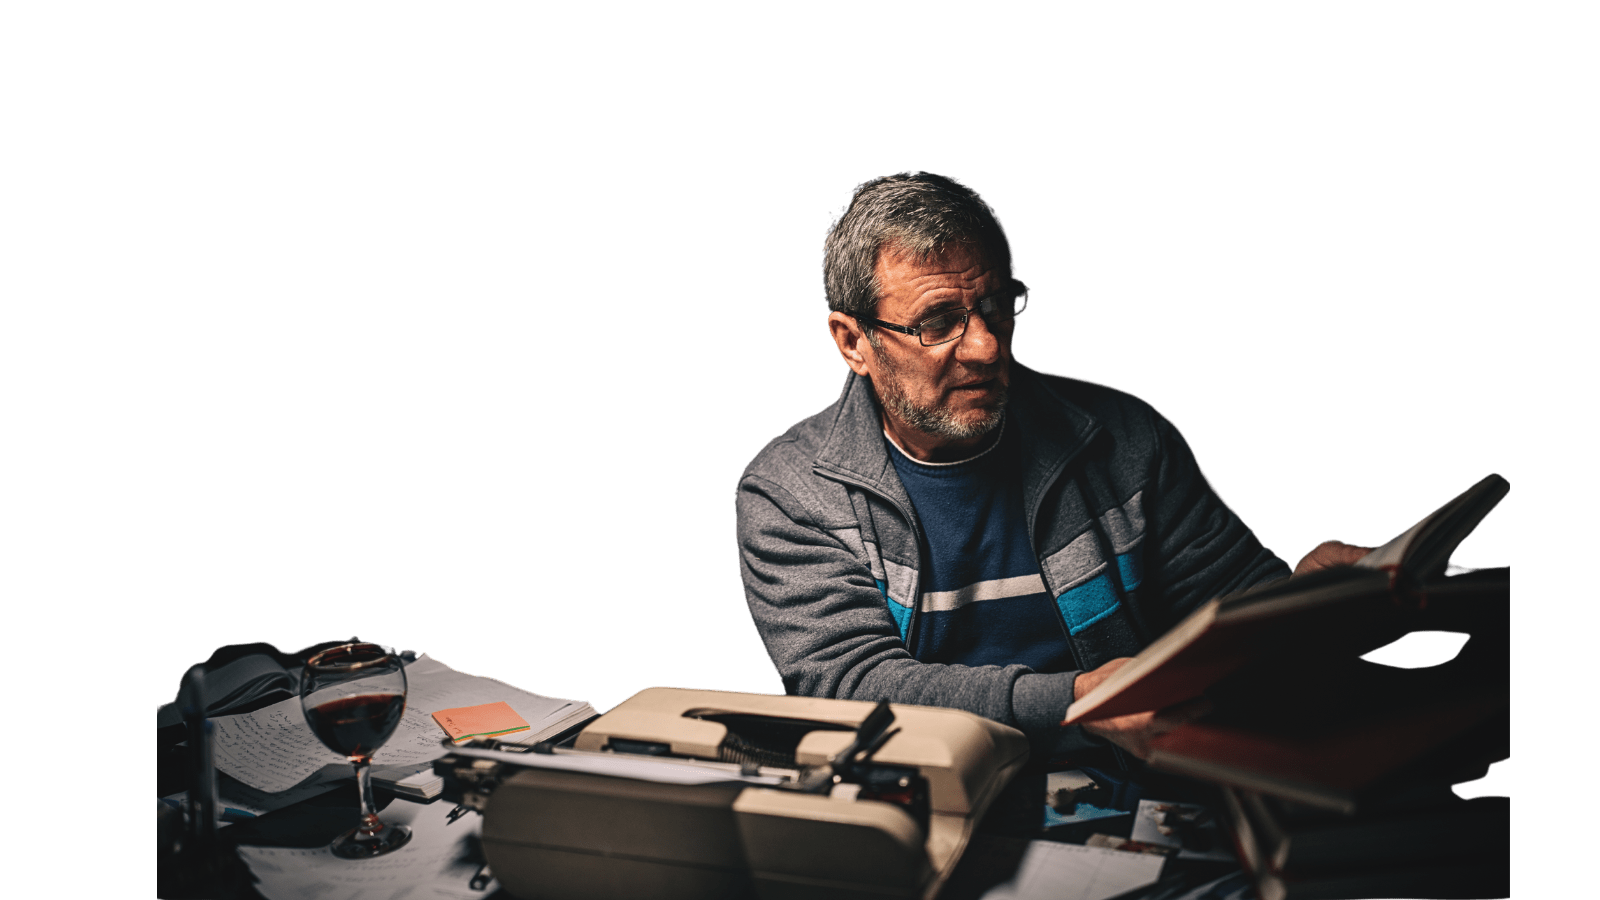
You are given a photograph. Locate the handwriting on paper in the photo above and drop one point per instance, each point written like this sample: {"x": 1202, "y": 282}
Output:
{"x": 272, "y": 749}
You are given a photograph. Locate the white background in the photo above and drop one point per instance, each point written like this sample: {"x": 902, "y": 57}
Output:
{"x": 1357, "y": 281}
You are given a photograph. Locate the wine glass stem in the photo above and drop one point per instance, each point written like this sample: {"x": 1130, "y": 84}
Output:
{"x": 369, "y": 818}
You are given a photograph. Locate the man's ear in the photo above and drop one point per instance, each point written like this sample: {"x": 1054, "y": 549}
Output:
{"x": 852, "y": 343}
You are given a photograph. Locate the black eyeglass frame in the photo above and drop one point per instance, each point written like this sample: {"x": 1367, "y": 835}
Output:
{"x": 1018, "y": 291}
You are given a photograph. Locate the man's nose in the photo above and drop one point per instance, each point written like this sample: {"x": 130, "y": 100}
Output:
{"x": 979, "y": 345}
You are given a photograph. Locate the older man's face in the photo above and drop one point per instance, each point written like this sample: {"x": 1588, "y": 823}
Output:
{"x": 951, "y": 393}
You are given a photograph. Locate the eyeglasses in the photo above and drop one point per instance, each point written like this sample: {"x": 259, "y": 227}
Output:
{"x": 997, "y": 310}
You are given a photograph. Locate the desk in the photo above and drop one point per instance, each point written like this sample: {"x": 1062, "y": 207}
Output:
{"x": 303, "y": 830}
{"x": 279, "y": 846}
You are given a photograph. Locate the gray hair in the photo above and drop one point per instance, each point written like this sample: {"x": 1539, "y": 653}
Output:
{"x": 921, "y": 214}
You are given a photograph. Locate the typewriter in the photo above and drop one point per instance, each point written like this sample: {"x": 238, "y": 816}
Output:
{"x": 705, "y": 794}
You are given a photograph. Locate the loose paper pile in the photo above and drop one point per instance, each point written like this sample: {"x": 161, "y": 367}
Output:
{"x": 272, "y": 749}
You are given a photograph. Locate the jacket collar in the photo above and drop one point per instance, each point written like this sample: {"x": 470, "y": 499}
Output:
{"x": 1051, "y": 431}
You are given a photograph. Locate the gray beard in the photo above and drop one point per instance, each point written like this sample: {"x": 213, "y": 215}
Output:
{"x": 933, "y": 421}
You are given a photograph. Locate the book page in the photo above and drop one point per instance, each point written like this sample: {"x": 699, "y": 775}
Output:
{"x": 1427, "y": 545}
{"x": 1392, "y": 553}
{"x": 273, "y": 749}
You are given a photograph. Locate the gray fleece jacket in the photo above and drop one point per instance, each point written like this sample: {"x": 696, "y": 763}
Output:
{"x": 1129, "y": 537}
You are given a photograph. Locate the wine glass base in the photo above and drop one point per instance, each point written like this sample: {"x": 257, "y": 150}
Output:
{"x": 354, "y": 844}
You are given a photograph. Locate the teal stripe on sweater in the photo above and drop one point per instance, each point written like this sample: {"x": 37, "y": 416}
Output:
{"x": 1131, "y": 568}
{"x": 902, "y": 614}
{"x": 1098, "y": 597}
{"x": 1087, "y": 603}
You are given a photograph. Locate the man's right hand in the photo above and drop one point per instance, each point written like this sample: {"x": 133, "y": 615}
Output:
{"x": 1135, "y": 731}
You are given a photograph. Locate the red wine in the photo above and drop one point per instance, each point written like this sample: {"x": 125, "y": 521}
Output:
{"x": 356, "y": 726}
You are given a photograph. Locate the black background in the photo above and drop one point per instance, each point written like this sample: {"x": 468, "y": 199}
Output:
{"x": 453, "y": 399}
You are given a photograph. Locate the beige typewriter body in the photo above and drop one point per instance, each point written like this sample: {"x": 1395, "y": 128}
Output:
{"x": 568, "y": 835}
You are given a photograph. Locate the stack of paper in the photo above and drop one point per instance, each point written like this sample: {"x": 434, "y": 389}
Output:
{"x": 417, "y": 781}
{"x": 272, "y": 749}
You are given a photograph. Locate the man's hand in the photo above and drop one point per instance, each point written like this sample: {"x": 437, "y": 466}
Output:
{"x": 1331, "y": 553}
{"x": 1134, "y": 732}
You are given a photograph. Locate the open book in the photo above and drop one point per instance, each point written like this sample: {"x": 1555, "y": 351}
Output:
{"x": 1354, "y": 608}
{"x": 1345, "y": 734}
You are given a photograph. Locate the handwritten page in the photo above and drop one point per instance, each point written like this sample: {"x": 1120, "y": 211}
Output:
{"x": 272, "y": 749}
{"x": 438, "y": 863}
{"x": 1054, "y": 871}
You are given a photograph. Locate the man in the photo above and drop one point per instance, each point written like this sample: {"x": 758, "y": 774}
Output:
{"x": 957, "y": 530}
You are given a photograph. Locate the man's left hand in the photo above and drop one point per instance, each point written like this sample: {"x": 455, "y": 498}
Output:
{"x": 1135, "y": 731}
{"x": 1329, "y": 554}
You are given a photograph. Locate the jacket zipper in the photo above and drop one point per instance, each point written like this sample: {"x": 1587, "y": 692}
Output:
{"x": 1072, "y": 648}
{"x": 916, "y": 534}
{"x": 1031, "y": 519}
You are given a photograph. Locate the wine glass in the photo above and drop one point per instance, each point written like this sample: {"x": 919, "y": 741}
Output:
{"x": 353, "y": 696}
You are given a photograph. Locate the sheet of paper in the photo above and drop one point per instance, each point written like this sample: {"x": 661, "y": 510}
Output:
{"x": 1055, "y": 871}
{"x": 662, "y": 771}
{"x": 1392, "y": 553}
{"x": 1209, "y": 834}
{"x": 438, "y": 863}
{"x": 272, "y": 749}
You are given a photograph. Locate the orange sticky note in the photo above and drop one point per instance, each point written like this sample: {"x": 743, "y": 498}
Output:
{"x": 484, "y": 720}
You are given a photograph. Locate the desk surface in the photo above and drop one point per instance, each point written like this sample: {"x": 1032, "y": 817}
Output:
{"x": 285, "y": 849}
{"x": 1013, "y": 820}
